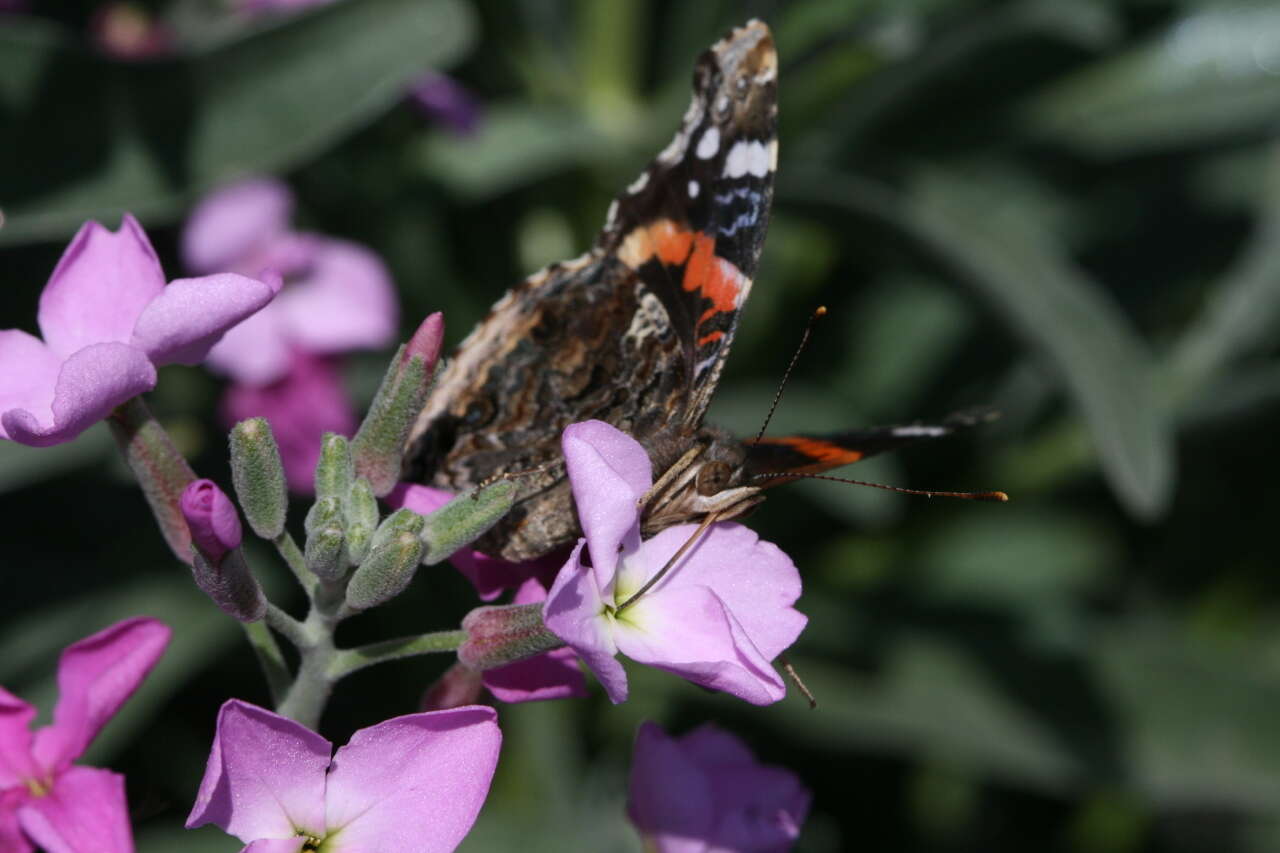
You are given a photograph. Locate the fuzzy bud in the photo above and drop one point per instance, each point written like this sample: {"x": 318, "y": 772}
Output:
{"x": 211, "y": 518}
{"x": 361, "y": 507}
{"x": 335, "y": 471}
{"x": 465, "y": 519}
{"x": 326, "y": 512}
{"x": 500, "y": 635}
{"x": 427, "y": 342}
{"x": 230, "y": 584}
{"x": 326, "y": 553}
{"x": 258, "y": 476}
{"x": 385, "y": 572}
{"x": 398, "y": 521}
{"x": 459, "y": 685}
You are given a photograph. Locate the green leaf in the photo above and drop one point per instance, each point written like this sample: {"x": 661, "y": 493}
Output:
{"x": 1210, "y": 74}
{"x": 149, "y": 137}
{"x": 1043, "y": 298}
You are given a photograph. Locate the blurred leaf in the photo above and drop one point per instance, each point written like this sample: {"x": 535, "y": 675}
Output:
{"x": 206, "y": 839}
{"x": 1046, "y": 300}
{"x": 516, "y": 145}
{"x": 94, "y": 138}
{"x": 1243, "y": 309}
{"x": 1211, "y": 73}
{"x": 21, "y": 465}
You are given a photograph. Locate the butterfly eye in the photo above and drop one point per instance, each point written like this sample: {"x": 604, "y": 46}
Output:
{"x": 713, "y": 478}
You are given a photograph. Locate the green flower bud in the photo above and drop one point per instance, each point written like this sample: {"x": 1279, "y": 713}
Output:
{"x": 326, "y": 512}
{"x": 379, "y": 444}
{"x": 465, "y": 519}
{"x": 386, "y": 572}
{"x": 230, "y": 584}
{"x": 258, "y": 477}
{"x": 497, "y": 636}
{"x": 400, "y": 520}
{"x": 326, "y": 553}
{"x": 360, "y": 506}
{"x": 359, "y": 538}
{"x": 335, "y": 470}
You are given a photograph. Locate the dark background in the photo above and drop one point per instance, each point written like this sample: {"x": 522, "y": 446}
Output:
{"x": 1068, "y": 211}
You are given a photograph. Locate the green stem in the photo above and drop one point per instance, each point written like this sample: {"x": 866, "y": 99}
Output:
{"x": 274, "y": 669}
{"x": 347, "y": 661}
{"x": 288, "y": 627}
{"x": 161, "y": 470}
{"x": 292, "y": 555}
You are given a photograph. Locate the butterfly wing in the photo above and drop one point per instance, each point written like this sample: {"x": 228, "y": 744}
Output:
{"x": 813, "y": 454}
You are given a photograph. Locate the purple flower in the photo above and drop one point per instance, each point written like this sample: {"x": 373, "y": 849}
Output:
{"x": 410, "y": 783}
{"x": 305, "y": 403}
{"x": 446, "y": 101}
{"x": 212, "y": 519}
{"x": 717, "y": 618}
{"x": 337, "y": 297}
{"x": 46, "y": 801}
{"x": 490, "y": 576}
{"x": 705, "y": 793}
{"x": 127, "y": 31}
{"x": 108, "y": 321}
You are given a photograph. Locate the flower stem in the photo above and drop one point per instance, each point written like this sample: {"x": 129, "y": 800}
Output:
{"x": 347, "y": 661}
{"x": 161, "y": 470}
{"x": 269, "y": 657}
{"x": 292, "y": 555}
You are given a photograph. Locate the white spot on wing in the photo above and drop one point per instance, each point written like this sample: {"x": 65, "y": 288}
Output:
{"x": 735, "y": 165}
{"x": 709, "y": 144}
{"x": 693, "y": 189}
{"x": 917, "y": 430}
{"x": 748, "y": 157}
{"x": 639, "y": 183}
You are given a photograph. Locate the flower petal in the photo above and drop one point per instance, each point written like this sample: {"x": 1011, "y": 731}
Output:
{"x": 276, "y": 845}
{"x": 669, "y": 796}
{"x": 550, "y": 675}
{"x": 91, "y": 383}
{"x": 609, "y": 472}
{"x": 256, "y": 352}
{"x": 86, "y": 812}
{"x": 308, "y": 402}
{"x": 16, "y": 763}
{"x": 415, "y": 782}
{"x": 575, "y": 613}
{"x": 12, "y": 838}
{"x": 689, "y": 631}
{"x": 761, "y": 808}
{"x": 29, "y": 375}
{"x": 99, "y": 288}
{"x": 189, "y": 316}
{"x": 346, "y": 302}
{"x": 265, "y": 777}
{"x": 755, "y": 580}
{"x": 95, "y": 677}
{"x": 235, "y": 221}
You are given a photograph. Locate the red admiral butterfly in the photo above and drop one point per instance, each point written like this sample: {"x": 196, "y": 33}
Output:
{"x": 635, "y": 333}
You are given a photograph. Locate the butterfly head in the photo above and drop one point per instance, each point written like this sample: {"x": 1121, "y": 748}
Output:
{"x": 709, "y": 477}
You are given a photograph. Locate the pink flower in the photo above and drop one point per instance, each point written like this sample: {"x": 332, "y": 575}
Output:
{"x": 338, "y": 295}
{"x": 410, "y": 783}
{"x": 445, "y": 100}
{"x": 212, "y": 519}
{"x": 304, "y": 404}
{"x": 705, "y": 793}
{"x": 108, "y": 321}
{"x": 127, "y": 31}
{"x": 46, "y": 801}
{"x": 717, "y": 618}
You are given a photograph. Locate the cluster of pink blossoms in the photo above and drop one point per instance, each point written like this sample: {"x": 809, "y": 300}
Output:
{"x": 717, "y": 617}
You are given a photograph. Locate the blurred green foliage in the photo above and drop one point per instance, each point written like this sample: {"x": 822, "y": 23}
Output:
{"x": 1070, "y": 211}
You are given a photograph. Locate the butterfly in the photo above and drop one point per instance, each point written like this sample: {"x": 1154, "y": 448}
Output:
{"x": 635, "y": 332}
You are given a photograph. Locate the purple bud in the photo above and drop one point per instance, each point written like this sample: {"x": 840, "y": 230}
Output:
{"x": 426, "y": 342}
{"x": 460, "y": 685}
{"x": 504, "y": 634}
{"x": 212, "y": 519}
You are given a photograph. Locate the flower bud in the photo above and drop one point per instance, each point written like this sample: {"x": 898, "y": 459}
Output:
{"x": 465, "y": 519}
{"x": 230, "y": 584}
{"x": 459, "y": 685}
{"x": 359, "y": 536}
{"x": 386, "y": 572}
{"x": 211, "y": 518}
{"x": 326, "y": 512}
{"x": 426, "y": 342}
{"x": 326, "y": 553}
{"x": 334, "y": 471}
{"x": 258, "y": 476}
{"x": 360, "y": 506}
{"x": 400, "y": 520}
{"x": 500, "y": 635}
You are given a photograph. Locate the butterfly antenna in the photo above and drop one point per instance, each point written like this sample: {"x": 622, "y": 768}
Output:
{"x": 821, "y": 311}
{"x": 999, "y": 497}
{"x": 794, "y": 678}
{"x": 680, "y": 552}
{"x": 515, "y": 475}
